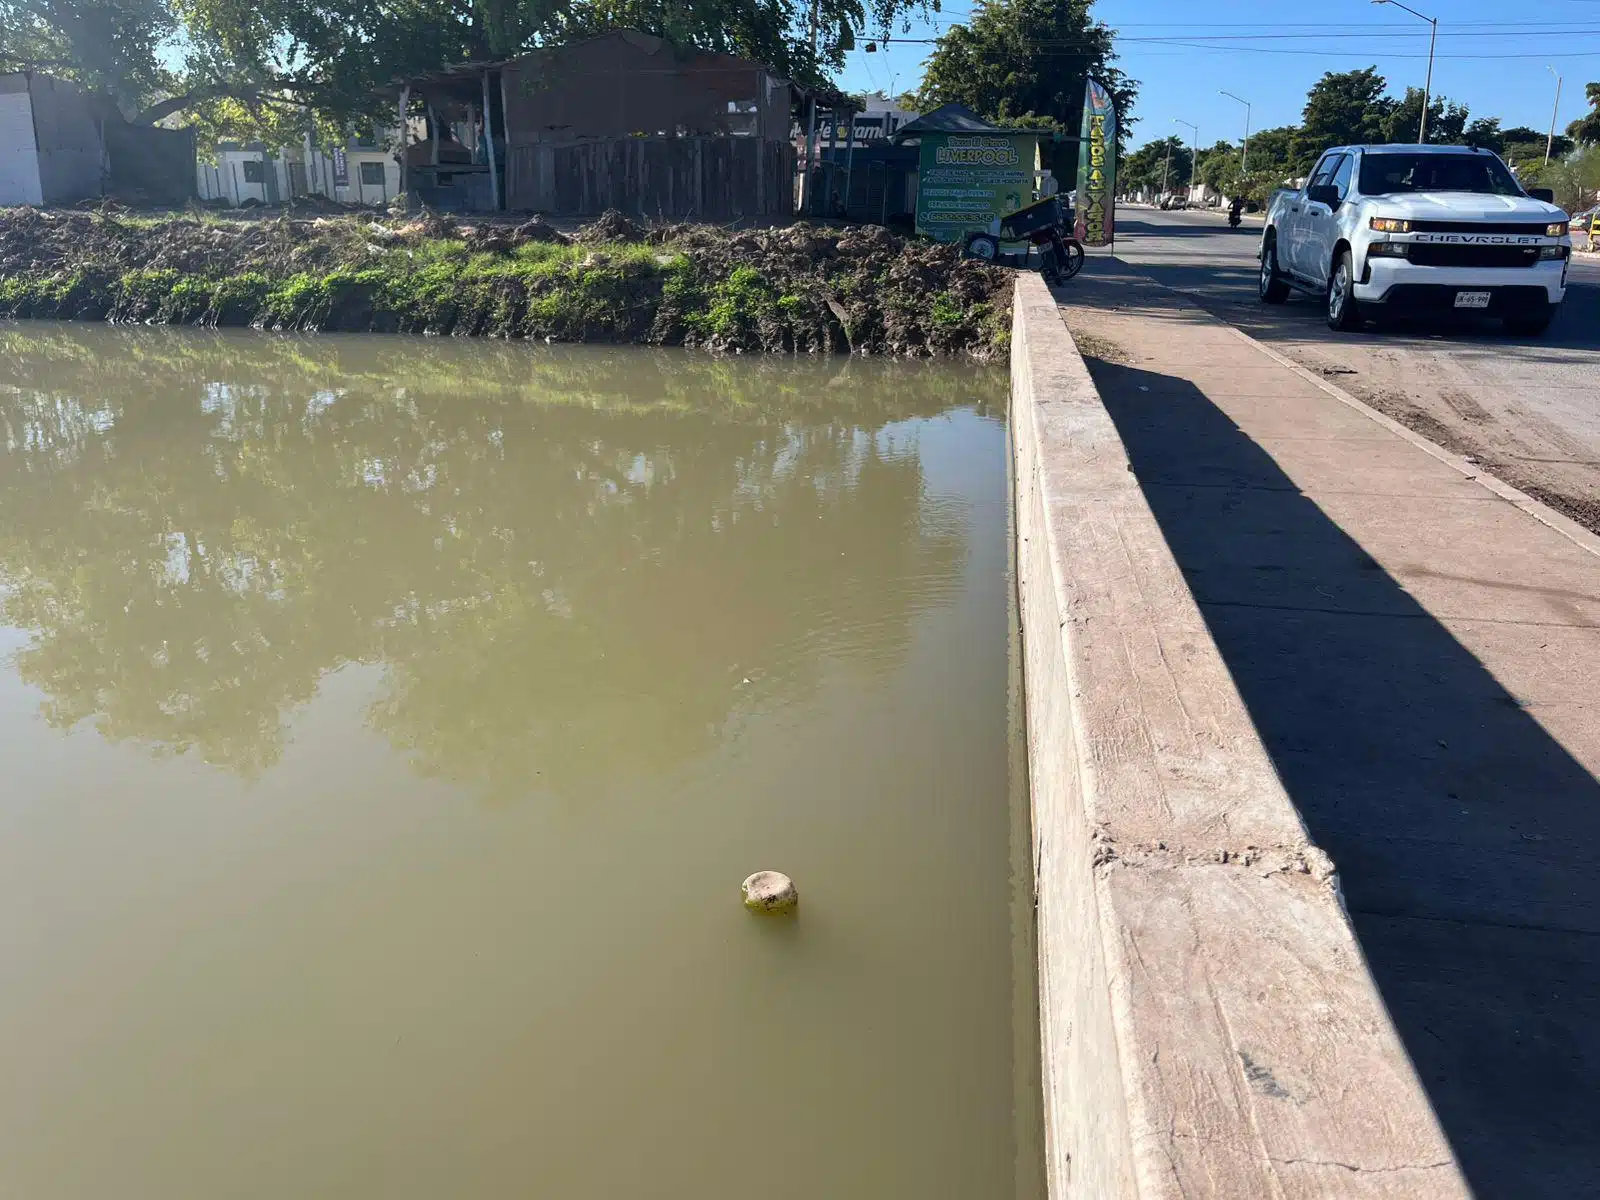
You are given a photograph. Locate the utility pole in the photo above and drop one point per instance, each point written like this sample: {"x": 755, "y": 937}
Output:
{"x": 1550, "y": 142}
{"x": 1244, "y": 156}
{"x": 1194, "y": 150}
{"x": 1427, "y": 88}
{"x": 1166, "y": 167}
{"x": 811, "y": 120}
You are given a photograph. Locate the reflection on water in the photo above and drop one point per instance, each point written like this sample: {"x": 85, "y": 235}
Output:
{"x": 295, "y": 608}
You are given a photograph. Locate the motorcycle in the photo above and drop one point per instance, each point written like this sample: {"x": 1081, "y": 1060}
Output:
{"x": 1044, "y": 224}
{"x": 1233, "y": 217}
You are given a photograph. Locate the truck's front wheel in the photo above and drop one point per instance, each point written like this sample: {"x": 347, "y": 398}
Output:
{"x": 1274, "y": 288}
{"x": 1344, "y": 313}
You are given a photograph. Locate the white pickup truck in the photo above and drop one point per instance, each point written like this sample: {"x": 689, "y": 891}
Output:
{"x": 1416, "y": 230}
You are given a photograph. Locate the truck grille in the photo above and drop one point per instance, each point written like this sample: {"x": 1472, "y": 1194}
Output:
{"x": 1477, "y": 227}
{"x": 1431, "y": 254}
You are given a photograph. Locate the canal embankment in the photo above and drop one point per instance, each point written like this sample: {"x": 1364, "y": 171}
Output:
{"x": 1208, "y": 1023}
{"x": 797, "y": 289}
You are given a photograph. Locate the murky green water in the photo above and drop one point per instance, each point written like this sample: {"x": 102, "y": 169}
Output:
{"x": 387, "y": 726}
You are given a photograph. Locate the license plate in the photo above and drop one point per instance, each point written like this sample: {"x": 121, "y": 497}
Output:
{"x": 1472, "y": 299}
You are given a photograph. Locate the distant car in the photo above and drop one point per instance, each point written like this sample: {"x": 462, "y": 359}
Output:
{"x": 1417, "y": 229}
{"x": 1168, "y": 203}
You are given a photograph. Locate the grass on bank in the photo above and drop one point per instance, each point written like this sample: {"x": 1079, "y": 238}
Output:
{"x": 367, "y": 278}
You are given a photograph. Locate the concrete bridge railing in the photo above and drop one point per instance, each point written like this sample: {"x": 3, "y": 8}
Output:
{"x": 1209, "y": 1027}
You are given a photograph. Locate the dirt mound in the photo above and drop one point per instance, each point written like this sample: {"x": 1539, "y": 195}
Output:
{"x": 611, "y": 227}
{"x": 537, "y": 230}
{"x": 799, "y": 288}
{"x": 430, "y": 224}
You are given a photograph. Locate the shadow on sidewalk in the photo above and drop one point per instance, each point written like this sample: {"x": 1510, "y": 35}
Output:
{"x": 1467, "y": 839}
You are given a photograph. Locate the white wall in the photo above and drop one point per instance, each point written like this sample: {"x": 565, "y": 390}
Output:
{"x": 225, "y": 180}
{"x": 19, "y": 156}
{"x": 319, "y": 177}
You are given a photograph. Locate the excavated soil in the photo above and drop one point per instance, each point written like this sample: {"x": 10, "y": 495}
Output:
{"x": 797, "y": 288}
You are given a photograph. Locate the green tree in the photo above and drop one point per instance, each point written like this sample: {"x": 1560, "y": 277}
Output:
{"x": 1524, "y": 147}
{"x": 1216, "y": 164}
{"x": 1485, "y": 132}
{"x": 272, "y": 68}
{"x": 1018, "y": 59}
{"x": 1157, "y": 164}
{"x": 1575, "y": 179}
{"x": 1447, "y": 120}
{"x": 109, "y": 47}
{"x": 1586, "y": 129}
{"x": 1345, "y": 108}
{"x": 1279, "y": 154}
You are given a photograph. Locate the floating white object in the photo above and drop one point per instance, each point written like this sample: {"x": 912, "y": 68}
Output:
{"x": 770, "y": 892}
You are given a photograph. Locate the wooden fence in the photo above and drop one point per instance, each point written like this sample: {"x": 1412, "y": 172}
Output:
{"x": 688, "y": 178}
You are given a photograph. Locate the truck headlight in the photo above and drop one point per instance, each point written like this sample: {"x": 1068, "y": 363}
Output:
{"x": 1558, "y": 229}
{"x": 1552, "y": 251}
{"x": 1387, "y": 250}
{"x": 1390, "y": 225}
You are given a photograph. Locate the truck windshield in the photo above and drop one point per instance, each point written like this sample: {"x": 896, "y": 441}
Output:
{"x": 1386, "y": 174}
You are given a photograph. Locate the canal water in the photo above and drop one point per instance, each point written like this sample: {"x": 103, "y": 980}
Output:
{"x": 387, "y": 726}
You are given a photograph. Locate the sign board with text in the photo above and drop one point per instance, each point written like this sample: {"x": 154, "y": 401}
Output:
{"x": 968, "y": 181}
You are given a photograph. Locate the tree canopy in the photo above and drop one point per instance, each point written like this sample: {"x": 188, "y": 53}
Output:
{"x": 1351, "y": 107}
{"x": 1025, "y": 61}
{"x": 1164, "y": 164}
{"x": 272, "y": 68}
{"x": 1344, "y": 108}
{"x": 1586, "y": 129}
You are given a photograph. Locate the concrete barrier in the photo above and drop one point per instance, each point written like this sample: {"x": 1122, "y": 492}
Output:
{"x": 1208, "y": 1025}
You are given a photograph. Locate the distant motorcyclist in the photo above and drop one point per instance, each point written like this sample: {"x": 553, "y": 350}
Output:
{"x": 1234, "y": 209}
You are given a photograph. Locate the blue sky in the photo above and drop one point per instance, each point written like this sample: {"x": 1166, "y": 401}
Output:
{"x": 1493, "y": 56}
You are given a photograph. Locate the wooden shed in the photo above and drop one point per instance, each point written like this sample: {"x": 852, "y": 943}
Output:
{"x": 622, "y": 121}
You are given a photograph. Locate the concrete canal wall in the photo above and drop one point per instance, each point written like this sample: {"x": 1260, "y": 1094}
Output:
{"x": 1208, "y": 1025}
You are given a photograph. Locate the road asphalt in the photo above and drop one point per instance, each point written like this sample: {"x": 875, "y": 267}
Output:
{"x": 1527, "y": 408}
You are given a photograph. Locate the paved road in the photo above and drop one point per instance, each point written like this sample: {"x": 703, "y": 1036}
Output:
{"x": 1528, "y": 408}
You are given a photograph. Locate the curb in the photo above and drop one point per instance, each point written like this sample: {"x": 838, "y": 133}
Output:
{"x": 1208, "y": 1027}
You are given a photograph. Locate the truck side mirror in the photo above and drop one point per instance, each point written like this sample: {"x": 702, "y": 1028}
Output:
{"x": 1545, "y": 194}
{"x": 1323, "y": 193}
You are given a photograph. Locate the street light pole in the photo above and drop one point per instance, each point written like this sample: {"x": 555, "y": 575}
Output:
{"x": 1194, "y": 150}
{"x": 1244, "y": 155}
{"x": 1550, "y": 142}
{"x": 1427, "y": 88}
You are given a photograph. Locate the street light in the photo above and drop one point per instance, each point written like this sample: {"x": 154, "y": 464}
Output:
{"x": 1244, "y": 156}
{"x": 1194, "y": 150}
{"x": 1427, "y": 88}
{"x": 1550, "y": 142}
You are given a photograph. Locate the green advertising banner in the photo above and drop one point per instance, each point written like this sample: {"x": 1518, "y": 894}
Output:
{"x": 1097, "y": 168}
{"x": 967, "y": 182}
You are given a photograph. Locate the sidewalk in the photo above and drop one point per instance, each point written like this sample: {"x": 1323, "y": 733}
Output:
{"x": 1419, "y": 651}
